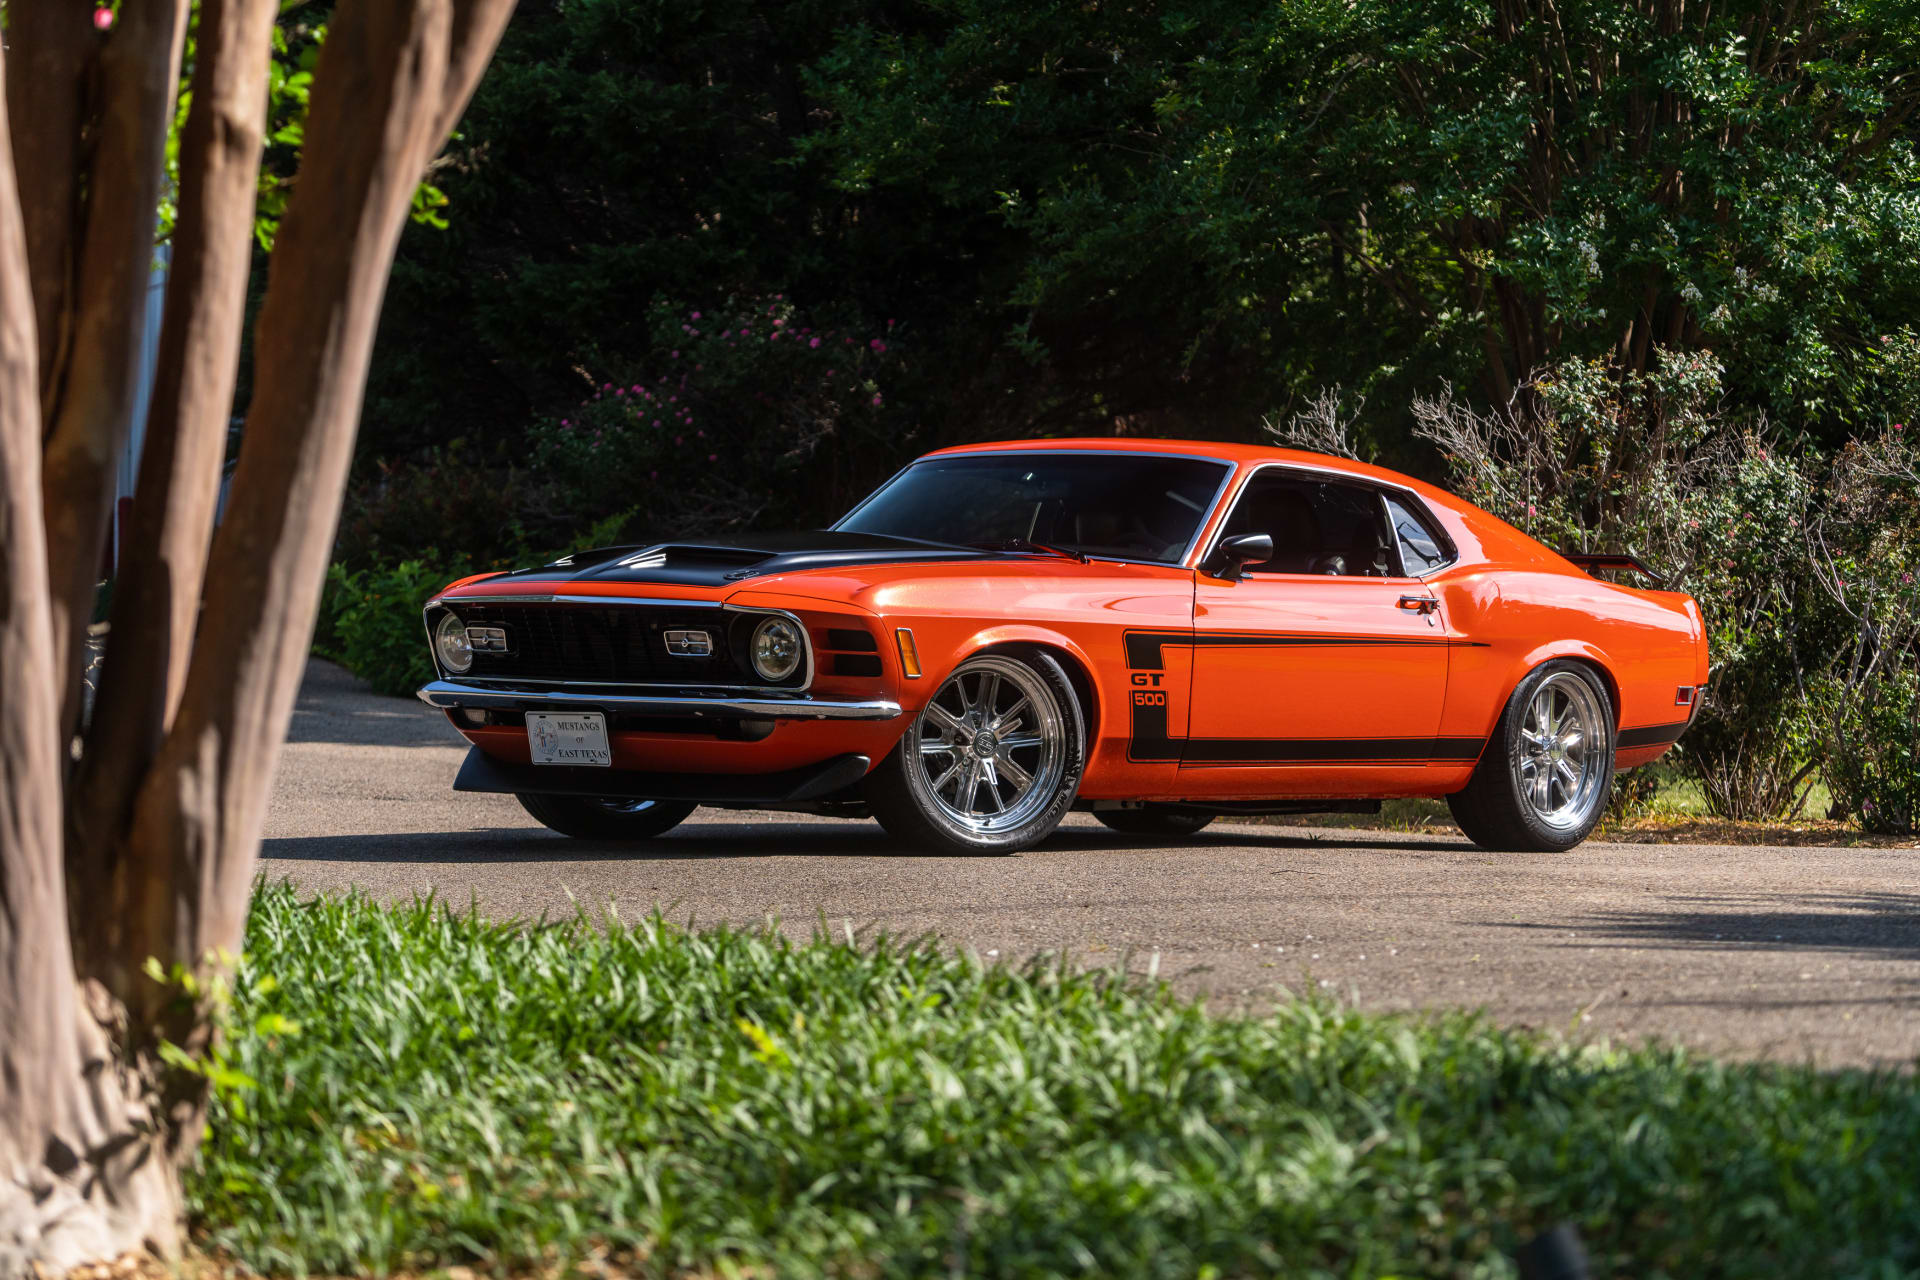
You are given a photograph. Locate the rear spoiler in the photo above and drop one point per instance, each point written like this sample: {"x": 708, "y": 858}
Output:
{"x": 1589, "y": 563}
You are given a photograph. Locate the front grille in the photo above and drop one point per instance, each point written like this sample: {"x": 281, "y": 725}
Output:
{"x": 623, "y": 644}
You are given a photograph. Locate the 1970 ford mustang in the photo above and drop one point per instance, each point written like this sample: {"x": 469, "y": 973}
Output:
{"x": 1158, "y": 631}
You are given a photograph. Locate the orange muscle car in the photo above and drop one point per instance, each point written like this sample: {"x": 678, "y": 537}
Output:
{"x": 1158, "y": 631}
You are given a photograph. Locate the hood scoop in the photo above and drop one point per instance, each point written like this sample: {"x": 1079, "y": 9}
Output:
{"x": 719, "y": 564}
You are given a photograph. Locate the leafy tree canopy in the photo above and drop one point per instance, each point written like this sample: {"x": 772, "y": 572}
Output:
{"x": 1320, "y": 191}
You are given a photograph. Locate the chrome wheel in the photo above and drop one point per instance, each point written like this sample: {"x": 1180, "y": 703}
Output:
{"x": 1560, "y": 753}
{"x": 990, "y": 748}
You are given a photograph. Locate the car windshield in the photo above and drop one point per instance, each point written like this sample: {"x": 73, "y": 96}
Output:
{"x": 1131, "y": 506}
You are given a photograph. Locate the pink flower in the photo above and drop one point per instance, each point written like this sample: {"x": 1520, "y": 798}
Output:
{"x": 814, "y": 343}
{"x": 565, "y": 423}
{"x": 1693, "y": 524}
{"x": 620, "y": 391}
{"x": 713, "y": 457}
{"x": 1899, "y": 426}
{"x": 639, "y": 389}
{"x": 102, "y": 18}
{"x": 889, "y": 324}
{"x": 1530, "y": 510}
{"x": 695, "y": 316}
{"x": 877, "y": 345}
{"x": 777, "y": 323}
{"x": 673, "y": 355}
{"x": 745, "y": 334}
{"x": 876, "y": 402}
{"x": 656, "y": 422}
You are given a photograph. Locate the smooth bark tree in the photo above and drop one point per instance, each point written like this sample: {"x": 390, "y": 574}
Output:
{"x": 129, "y": 833}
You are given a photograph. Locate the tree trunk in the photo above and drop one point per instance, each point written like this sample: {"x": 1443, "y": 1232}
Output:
{"x": 67, "y": 1114}
{"x": 160, "y": 828}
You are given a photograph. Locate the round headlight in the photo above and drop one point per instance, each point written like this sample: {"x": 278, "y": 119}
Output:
{"x": 450, "y": 644}
{"x": 777, "y": 650}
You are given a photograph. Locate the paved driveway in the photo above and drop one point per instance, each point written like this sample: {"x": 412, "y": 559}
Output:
{"x": 1797, "y": 954}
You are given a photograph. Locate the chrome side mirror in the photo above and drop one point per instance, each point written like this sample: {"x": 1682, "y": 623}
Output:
{"x": 1233, "y": 555}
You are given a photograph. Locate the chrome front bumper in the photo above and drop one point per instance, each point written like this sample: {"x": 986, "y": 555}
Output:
{"x": 451, "y": 694}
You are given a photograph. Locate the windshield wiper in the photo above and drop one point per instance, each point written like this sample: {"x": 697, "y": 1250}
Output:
{"x": 1037, "y": 548}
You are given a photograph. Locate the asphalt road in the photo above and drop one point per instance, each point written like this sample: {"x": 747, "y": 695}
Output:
{"x": 1798, "y": 954}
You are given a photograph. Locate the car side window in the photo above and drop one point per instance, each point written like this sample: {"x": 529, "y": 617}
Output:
{"x": 1420, "y": 550}
{"x": 1317, "y": 526}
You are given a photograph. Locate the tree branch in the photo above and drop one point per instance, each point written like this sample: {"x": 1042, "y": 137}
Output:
{"x": 164, "y": 562}
{"x": 88, "y": 407}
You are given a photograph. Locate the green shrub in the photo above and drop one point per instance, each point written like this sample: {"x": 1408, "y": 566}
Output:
{"x": 373, "y": 621}
{"x": 1874, "y": 767}
{"x": 733, "y": 1103}
{"x": 1866, "y": 553}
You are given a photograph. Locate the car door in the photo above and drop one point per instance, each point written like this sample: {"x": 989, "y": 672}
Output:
{"x": 1328, "y": 657}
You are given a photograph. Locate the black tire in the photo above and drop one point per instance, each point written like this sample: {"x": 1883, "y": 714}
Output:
{"x": 1500, "y": 808}
{"x": 909, "y": 800}
{"x": 1153, "y": 821}
{"x": 608, "y": 818}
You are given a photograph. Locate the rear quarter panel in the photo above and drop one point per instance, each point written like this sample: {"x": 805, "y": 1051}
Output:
{"x": 1513, "y": 604}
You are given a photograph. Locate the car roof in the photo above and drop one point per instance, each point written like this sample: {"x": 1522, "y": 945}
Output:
{"x": 1224, "y": 451}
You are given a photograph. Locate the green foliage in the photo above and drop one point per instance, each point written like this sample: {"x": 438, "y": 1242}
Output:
{"x": 298, "y": 34}
{"x": 1866, "y": 553}
{"x": 1380, "y": 193}
{"x": 483, "y": 508}
{"x": 1874, "y": 767}
{"x": 725, "y": 1102}
{"x": 372, "y": 620}
{"x": 719, "y": 433}
{"x": 619, "y": 154}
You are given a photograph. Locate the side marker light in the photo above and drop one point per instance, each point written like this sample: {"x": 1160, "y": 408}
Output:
{"x": 909, "y": 653}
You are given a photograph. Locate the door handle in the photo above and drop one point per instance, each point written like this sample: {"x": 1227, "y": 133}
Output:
{"x": 1419, "y": 604}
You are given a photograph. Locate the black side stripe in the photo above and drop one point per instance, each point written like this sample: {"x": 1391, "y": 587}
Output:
{"x": 1330, "y": 750}
{"x": 1145, "y": 649}
{"x": 1150, "y": 744}
{"x": 1656, "y": 735}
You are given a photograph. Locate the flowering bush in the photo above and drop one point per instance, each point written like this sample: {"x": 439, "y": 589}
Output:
{"x": 480, "y": 509}
{"x": 741, "y": 403}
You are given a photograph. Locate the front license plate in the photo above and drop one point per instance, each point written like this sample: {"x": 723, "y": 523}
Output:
{"x": 569, "y": 737}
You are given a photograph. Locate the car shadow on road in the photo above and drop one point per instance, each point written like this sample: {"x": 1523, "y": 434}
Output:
{"x": 523, "y": 844}
{"x": 716, "y": 840}
{"x": 1884, "y": 924}
{"x": 1242, "y": 837}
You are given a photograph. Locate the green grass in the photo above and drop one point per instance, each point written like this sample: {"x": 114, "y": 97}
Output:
{"x": 459, "y": 1090}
